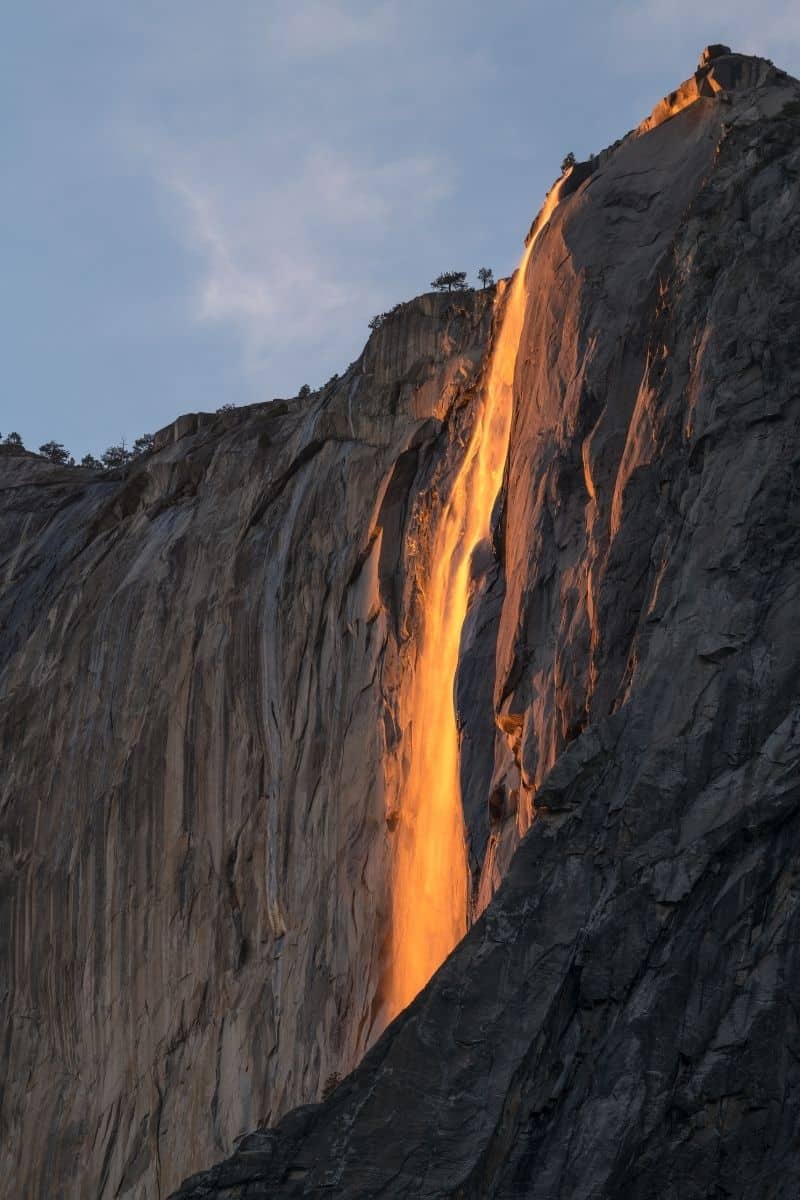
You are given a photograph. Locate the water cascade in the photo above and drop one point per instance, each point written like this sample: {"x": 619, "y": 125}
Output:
{"x": 429, "y": 888}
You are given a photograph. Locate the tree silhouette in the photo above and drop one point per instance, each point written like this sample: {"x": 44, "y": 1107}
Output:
{"x": 568, "y": 161}
{"x": 143, "y": 444}
{"x": 449, "y": 280}
{"x": 486, "y": 275}
{"x": 55, "y": 452}
{"x": 116, "y": 456}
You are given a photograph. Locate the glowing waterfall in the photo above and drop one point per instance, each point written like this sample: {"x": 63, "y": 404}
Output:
{"x": 429, "y": 897}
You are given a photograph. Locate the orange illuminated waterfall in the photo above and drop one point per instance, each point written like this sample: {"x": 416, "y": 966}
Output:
{"x": 429, "y": 898}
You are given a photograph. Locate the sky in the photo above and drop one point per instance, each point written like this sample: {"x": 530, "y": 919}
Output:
{"x": 203, "y": 203}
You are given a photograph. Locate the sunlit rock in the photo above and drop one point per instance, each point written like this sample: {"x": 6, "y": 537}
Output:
{"x": 621, "y": 1022}
{"x": 202, "y": 724}
{"x": 218, "y": 668}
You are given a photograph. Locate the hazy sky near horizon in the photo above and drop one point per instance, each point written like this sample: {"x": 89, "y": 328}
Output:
{"x": 204, "y": 203}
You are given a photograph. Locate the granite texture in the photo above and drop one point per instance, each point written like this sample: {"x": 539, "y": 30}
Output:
{"x": 621, "y": 1022}
{"x": 201, "y": 668}
{"x": 204, "y": 672}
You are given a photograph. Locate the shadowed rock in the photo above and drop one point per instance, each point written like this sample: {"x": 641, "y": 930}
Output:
{"x": 621, "y": 1022}
{"x": 202, "y": 664}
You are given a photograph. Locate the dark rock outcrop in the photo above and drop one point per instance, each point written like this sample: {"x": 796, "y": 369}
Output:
{"x": 622, "y": 1020}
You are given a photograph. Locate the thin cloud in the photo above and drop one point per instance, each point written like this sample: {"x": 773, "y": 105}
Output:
{"x": 283, "y": 261}
{"x": 296, "y": 166}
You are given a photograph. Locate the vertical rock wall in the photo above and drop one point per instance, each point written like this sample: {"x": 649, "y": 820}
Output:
{"x": 621, "y": 1022}
{"x": 199, "y": 674}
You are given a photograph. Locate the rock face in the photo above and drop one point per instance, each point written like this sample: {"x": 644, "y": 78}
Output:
{"x": 200, "y": 666}
{"x": 621, "y": 1021}
{"x": 204, "y": 665}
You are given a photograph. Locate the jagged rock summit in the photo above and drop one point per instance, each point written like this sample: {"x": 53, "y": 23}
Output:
{"x": 621, "y": 1022}
{"x": 717, "y": 50}
{"x": 205, "y": 664}
{"x": 719, "y": 73}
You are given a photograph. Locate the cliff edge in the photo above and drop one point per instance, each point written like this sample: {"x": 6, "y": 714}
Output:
{"x": 621, "y": 1021}
{"x": 199, "y": 660}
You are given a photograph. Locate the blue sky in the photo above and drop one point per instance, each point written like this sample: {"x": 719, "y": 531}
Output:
{"x": 205, "y": 202}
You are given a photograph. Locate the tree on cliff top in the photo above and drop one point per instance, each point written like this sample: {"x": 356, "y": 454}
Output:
{"x": 116, "y": 456}
{"x": 144, "y": 444}
{"x": 568, "y": 161}
{"x": 486, "y": 275}
{"x": 55, "y": 452}
{"x": 449, "y": 280}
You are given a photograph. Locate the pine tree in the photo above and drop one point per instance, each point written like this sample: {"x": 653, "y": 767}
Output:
{"x": 116, "y": 456}
{"x": 55, "y": 452}
{"x": 449, "y": 280}
{"x": 143, "y": 444}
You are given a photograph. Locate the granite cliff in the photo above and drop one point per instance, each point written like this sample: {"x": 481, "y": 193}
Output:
{"x": 199, "y": 663}
{"x": 207, "y": 715}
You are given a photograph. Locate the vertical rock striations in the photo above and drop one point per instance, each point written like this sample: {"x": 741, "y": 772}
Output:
{"x": 200, "y": 712}
{"x": 621, "y": 1021}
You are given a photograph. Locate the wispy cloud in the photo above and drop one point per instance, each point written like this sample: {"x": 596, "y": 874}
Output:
{"x": 282, "y": 259}
{"x": 305, "y": 152}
